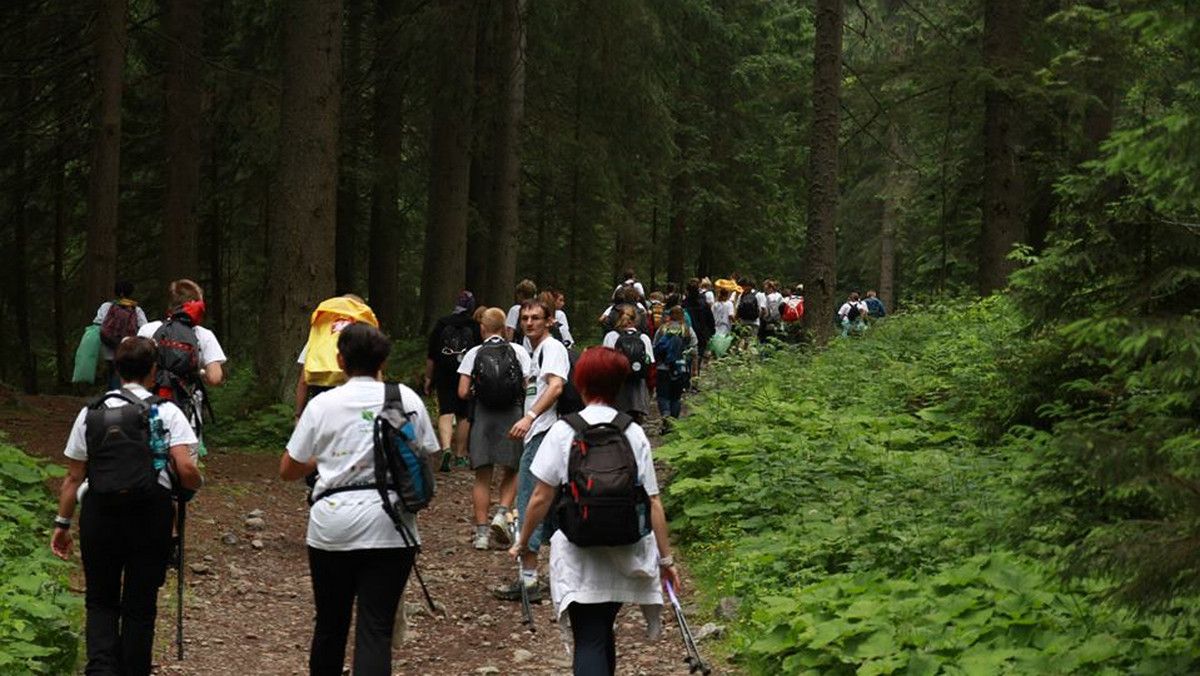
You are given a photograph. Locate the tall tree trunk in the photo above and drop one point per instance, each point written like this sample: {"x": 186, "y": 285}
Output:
{"x": 677, "y": 228}
{"x": 387, "y": 223}
{"x": 821, "y": 267}
{"x": 450, "y": 161}
{"x": 181, "y": 220}
{"x": 62, "y": 367}
{"x": 506, "y": 192}
{"x": 104, "y": 182}
{"x": 303, "y": 205}
{"x": 1002, "y": 221}
{"x": 894, "y": 190}
{"x": 20, "y": 256}
{"x": 480, "y": 222}
{"x": 346, "y": 239}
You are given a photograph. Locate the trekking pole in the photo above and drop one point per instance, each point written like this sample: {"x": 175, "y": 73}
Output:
{"x": 181, "y": 517}
{"x": 526, "y": 610}
{"x": 694, "y": 661}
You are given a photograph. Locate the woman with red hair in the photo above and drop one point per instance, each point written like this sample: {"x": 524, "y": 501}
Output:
{"x": 588, "y": 584}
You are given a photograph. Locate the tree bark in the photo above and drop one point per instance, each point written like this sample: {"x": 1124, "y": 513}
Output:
{"x": 20, "y": 258}
{"x": 821, "y": 255}
{"x": 387, "y": 223}
{"x": 506, "y": 190}
{"x": 677, "y": 229}
{"x": 480, "y": 214}
{"x": 450, "y": 161}
{"x": 893, "y": 199}
{"x": 348, "y": 212}
{"x": 1002, "y": 220}
{"x": 104, "y": 182}
{"x": 303, "y": 203}
{"x": 181, "y": 221}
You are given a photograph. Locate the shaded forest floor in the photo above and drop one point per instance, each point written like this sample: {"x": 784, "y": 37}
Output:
{"x": 248, "y": 601}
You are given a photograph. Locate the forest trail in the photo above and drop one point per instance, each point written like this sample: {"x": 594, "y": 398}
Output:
{"x": 248, "y": 605}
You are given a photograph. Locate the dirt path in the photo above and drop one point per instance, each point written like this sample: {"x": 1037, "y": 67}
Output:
{"x": 248, "y": 603}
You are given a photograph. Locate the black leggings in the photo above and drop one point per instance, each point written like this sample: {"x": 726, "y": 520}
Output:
{"x": 376, "y": 579}
{"x": 595, "y": 641}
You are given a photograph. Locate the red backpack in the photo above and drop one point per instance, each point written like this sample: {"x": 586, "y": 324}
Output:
{"x": 793, "y": 309}
{"x": 120, "y": 322}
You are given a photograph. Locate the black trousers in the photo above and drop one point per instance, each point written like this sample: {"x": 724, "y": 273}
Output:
{"x": 133, "y": 542}
{"x": 595, "y": 640}
{"x": 375, "y": 578}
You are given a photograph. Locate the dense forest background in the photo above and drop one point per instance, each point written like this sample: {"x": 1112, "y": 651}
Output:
{"x": 278, "y": 152}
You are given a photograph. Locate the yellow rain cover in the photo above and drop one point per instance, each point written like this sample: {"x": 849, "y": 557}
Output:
{"x": 328, "y": 320}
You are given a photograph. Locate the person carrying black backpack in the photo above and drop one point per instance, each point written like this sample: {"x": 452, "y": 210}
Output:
{"x": 449, "y": 341}
{"x": 118, "y": 319}
{"x": 189, "y": 354}
{"x": 133, "y": 449}
{"x": 612, "y": 545}
{"x": 634, "y": 396}
{"x": 494, "y": 375}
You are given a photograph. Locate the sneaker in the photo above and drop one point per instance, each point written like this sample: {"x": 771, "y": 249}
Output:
{"x": 512, "y": 591}
{"x": 500, "y": 529}
{"x": 462, "y": 462}
{"x": 447, "y": 460}
{"x": 481, "y": 541}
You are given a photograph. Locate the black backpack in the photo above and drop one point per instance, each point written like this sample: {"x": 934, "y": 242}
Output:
{"x": 602, "y": 503}
{"x": 178, "y": 355}
{"x": 456, "y": 340}
{"x": 854, "y": 313}
{"x": 120, "y": 322}
{"x": 497, "y": 376}
{"x": 570, "y": 401}
{"x": 120, "y": 463}
{"x": 747, "y": 307}
{"x": 630, "y": 344}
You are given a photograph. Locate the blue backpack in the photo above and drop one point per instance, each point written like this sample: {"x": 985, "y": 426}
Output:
{"x": 668, "y": 348}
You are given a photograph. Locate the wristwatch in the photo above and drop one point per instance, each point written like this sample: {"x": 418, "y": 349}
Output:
{"x": 666, "y": 561}
{"x": 61, "y": 522}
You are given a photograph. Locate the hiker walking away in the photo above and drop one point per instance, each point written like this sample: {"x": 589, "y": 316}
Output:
{"x": 550, "y": 367}
{"x": 526, "y": 290}
{"x": 772, "y": 312}
{"x": 707, "y": 291}
{"x": 356, "y": 555}
{"x": 130, "y": 446}
{"x": 626, "y": 296}
{"x": 723, "y": 313}
{"x": 791, "y": 311}
{"x": 560, "y": 318}
{"x": 319, "y": 370}
{"x": 634, "y": 396}
{"x": 674, "y": 343}
{"x": 449, "y": 341}
{"x": 629, "y": 281}
{"x": 704, "y": 323}
{"x": 118, "y": 319}
{"x": 852, "y": 315}
{"x": 494, "y": 374}
{"x": 875, "y": 308}
{"x": 594, "y": 570}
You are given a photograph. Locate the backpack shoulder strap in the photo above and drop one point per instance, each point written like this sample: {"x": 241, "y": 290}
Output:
{"x": 392, "y": 395}
{"x": 576, "y": 422}
{"x": 622, "y": 421}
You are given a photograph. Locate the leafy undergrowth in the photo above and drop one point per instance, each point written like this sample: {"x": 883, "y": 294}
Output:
{"x": 38, "y": 616}
{"x": 870, "y": 510}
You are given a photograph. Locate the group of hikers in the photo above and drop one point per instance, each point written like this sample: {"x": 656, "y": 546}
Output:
{"x": 515, "y": 397}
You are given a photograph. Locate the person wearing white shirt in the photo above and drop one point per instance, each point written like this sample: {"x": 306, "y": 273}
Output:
{"x": 526, "y": 290}
{"x": 630, "y": 280}
{"x": 589, "y": 584}
{"x": 634, "y": 396}
{"x": 356, "y": 555}
{"x": 853, "y": 315}
{"x": 490, "y": 446}
{"x": 187, "y": 297}
{"x": 723, "y": 313}
{"x": 125, "y": 540}
{"x": 123, "y": 292}
{"x": 551, "y": 366}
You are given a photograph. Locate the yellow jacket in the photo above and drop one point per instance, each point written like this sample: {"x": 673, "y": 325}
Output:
{"x": 328, "y": 320}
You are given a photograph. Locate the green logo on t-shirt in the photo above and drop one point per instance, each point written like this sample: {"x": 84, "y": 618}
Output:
{"x": 368, "y": 415}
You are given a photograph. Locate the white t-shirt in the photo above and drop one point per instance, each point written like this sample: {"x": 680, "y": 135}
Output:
{"x": 709, "y": 298}
{"x": 844, "y": 310}
{"x": 549, "y": 358}
{"x": 209, "y": 349}
{"x": 513, "y": 318}
{"x": 631, "y": 282}
{"x": 625, "y": 574}
{"x": 723, "y": 317}
{"x": 610, "y": 340}
{"x": 467, "y": 366}
{"x": 179, "y": 432}
{"x": 106, "y": 352}
{"x": 774, "y": 301}
{"x": 337, "y": 428}
{"x": 564, "y": 327}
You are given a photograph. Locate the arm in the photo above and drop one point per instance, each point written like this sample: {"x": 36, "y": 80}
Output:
{"x": 185, "y": 468}
{"x": 662, "y": 536}
{"x": 535, "y": 511}
{"x": 554, "y": 388}
{"x": 213, "y": 374}
{"x": 301, "y": 393}
{"x": 60, "y": 541}
{"x": 464, "y": 386}
{"x": 428, "y": 376}
{"x": 292, "y": 470}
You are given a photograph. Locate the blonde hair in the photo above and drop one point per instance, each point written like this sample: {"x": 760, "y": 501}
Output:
{"x": 626, "y": 320}
{"x": 181, "y": 291}
{"x": 492, "y": 320}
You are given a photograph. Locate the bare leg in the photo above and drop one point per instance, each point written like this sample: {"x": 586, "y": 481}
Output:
{"x": 481, "y": 493}
{"x": 462, "y": 435}
{"x": 508, "y": 487}
{"x": 445, "y": 429}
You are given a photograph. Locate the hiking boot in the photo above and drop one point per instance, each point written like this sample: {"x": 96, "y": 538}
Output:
{"x": 512, "y": 591}
{"x": 500, "y": 528}
{"x": 447, "y": 461}
{"x": 462, "y": 462}
{"x": 481, "y": 541}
